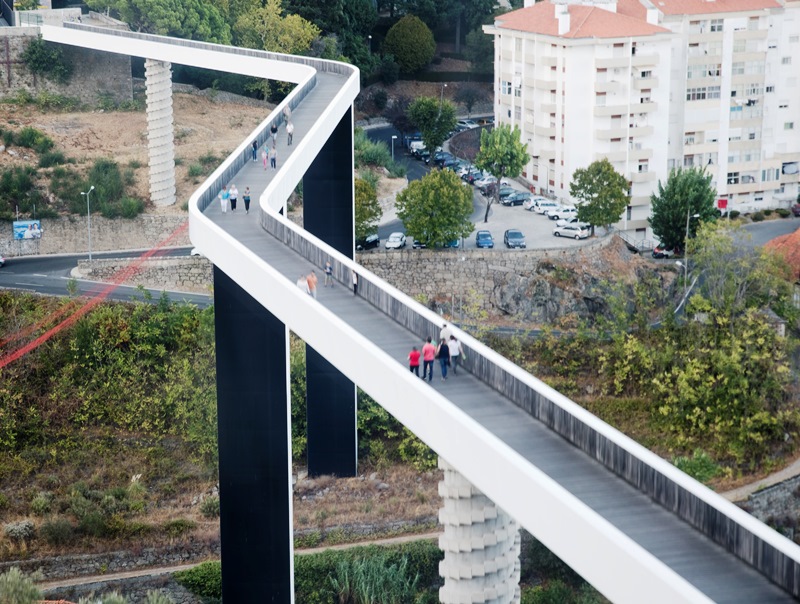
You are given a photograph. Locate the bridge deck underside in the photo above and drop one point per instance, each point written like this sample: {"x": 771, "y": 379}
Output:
{"x": 717, "y": 573}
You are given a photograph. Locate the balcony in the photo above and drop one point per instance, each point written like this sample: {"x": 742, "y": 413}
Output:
{"x": 612, "y": 156}
{"x": 542, "y": 84}
{"x": 548, "y": 107}
{"x": 612, "y": 62}
{"x": 544, "y": 131}
{"x": 642, "y": 83}
{"x": 608, "y": 86}
{"x": 641, "y": 131}
{"x": 641, "y": 60}
{"x": 643, "y": 176}
{"x": 637, "y": 154}
{"x": 609, "y": 133}
{"x": 609, "y": 110}
{"x": 647, "y": 107}
{"x": 547, "y": 60}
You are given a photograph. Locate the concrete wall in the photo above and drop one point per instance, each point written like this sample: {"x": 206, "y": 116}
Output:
{"x": 192, "y": 274}
{"x": 94, "y": 72}
{"x": 68, "y": 235}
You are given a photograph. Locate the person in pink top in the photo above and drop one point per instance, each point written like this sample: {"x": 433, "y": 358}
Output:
{"x": 428, "y": 354}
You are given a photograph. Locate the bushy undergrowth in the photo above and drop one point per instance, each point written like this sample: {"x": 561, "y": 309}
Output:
{"x": 370, "y": 153}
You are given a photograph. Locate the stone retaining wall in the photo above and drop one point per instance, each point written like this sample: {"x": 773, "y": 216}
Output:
{"x": 134, "y": 589}
{"x": 186, "y": 274}
{"x": 69, "y": 235}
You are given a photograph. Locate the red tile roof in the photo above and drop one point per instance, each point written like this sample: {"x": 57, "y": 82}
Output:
{"x": 704, "y": 7}
{"x": 585, "y": 22}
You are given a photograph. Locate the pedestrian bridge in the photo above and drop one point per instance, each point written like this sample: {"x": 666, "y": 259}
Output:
{"x": 630, "y": 523}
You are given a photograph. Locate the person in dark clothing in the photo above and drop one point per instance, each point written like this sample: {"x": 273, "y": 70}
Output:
{"x": 443, "y": 354}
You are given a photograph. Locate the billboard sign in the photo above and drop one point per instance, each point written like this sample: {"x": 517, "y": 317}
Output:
{"x": 27, "y": 229}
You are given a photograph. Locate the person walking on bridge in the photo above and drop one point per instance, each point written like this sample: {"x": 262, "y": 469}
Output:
{"x": 224, "y": 195}
{"x": 289, "y": 132}
{"x": 443, "y": 354}
{"x": 273, "y": 157}
{"x": 428, "y": 354}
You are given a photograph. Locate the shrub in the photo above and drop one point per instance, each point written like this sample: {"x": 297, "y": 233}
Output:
{"x": 700, "y": 466}
{"x": 3, "y": 502}
{"x": 196, "y": 170}
{"x": 553, "y": 592}
{"x": 67, "y": 184}
{"x": 380, "y": 98}
{"x": 22, "y": 530}
{"x": 179, "y": 526}
{"x": 389, "y": 70}
{"x": 52, "y": 158}
{"x": 112, "y": 598}
{"x": 209, "y": 507}
{"x": 204, "y": 580}
{"x": 757, "y": 217}
{"x": 33, "y": 139}
{"x": 58, "y": 531}
{"x": 16, "y": 588}
{"x": 397, "y": 170}
{"x": 157, "y": 598}
{"x": 783, "y": 212}
{"x": 767, "y": 212}
{"x": 130, "y": 207}
{"x": 41, "y": 504}
{"x": 47, "y": 60}
{"x": 735, "y": 213}
{"x": 411, "y": 44}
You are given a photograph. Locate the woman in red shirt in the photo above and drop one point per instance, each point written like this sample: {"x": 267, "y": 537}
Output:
{"x": 413, "y": 360}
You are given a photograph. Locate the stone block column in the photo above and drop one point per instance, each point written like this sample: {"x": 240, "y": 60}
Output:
{"x": 481, "y": 545}
{"x": 161, "y": 148}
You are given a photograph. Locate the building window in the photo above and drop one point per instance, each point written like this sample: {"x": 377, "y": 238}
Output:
{"x": 770, "y": 89}
{"x": 770, "y": 174}
{"x": 739, "y": 45}
{"x": 733, "y": 178}
{"x": 688, "y": 161}
{"x": 628, "y": 213}
{"x": 738, "y": 68}
{"x": 646, "y": 74}
{"x": 505, "y": 87}
{"x": 645, "y": 96}
{"x": 600, "y": 99}
{"x": 688, "y": 139}
{"x": 783, "y": 105}
{"x": 643, "y": 166}
{"x": 788, "y": 126}
{"x": 786, "y": 61}
{"x": 716, "y": 25}
{"x": 752, "y": 24}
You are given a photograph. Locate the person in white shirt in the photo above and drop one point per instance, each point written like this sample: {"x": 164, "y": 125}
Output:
{"x": 446, "y": 333}
{"x": 455, "y": 353}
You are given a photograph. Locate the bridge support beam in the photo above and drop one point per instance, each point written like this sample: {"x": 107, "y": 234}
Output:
{"x": 158, "y": 76}
{"x": 331, "y": 398}
{"x": 481, "y": 545}
{"x": 253, "y": 417}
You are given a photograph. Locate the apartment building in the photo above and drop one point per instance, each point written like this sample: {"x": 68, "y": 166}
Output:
{"x": 653, "y": 86}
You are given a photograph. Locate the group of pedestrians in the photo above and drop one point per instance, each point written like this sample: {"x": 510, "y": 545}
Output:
{"x": 448, "y": 351}
{"x": 270, "y": 152}
{"x": 229, "y": 195}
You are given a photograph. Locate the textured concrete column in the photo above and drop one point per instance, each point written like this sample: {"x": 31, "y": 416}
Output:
{"x": 161, "y": 147}
{"x": 481, "y": 545}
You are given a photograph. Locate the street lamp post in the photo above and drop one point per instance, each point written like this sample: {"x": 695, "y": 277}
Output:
{"x": 369, "y": 37}
{"x": 89, "y": 218}
{"x": 685, "y": 263}
{"x": 394, "y": 138}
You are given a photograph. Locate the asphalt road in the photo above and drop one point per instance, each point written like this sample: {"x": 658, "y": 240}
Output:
{"x": 50, "y": 275}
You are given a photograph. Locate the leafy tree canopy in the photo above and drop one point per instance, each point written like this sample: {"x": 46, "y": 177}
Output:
{"x": 601, "y": 191}
{"x": 502, "y": 154}
{"x": 468, "y": 95}
{"x": 265, "y": 28}
{"x": 434, "y": 118}
{"x": 368, "y": 209}
{"x": 411, "y": 43}
{"x": 737, "y": 276}
{"x": 479, "y": 51}
{"x": 437, "y": 208}
{"x": 191, "y": 19}
{"x": 686, "y": 193}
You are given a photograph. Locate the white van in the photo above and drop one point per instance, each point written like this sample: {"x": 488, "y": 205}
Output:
{"x": 414, "y": 147}
{"x": 545, "y": 205}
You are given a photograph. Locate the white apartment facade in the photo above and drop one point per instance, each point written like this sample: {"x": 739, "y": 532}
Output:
{"x": 653, "y": 86}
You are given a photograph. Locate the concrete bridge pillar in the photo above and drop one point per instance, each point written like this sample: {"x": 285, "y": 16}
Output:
{"x": 481, "y": 545}
{"x": 158, "y": 75}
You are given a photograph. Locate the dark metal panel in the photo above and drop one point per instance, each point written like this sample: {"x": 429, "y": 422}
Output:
{"x": 254, "y": 445}
{"x": 330, "y": 397}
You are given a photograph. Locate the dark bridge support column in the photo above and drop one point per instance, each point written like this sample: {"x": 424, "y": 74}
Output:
{"x": 254, "y": 447}
{"x": 328, "y": 213}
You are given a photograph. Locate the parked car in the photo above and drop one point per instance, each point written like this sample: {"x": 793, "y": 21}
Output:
{"x": 488, "y": 190}
{"x": 531, "y": 204}
{"x": 562, "y": 212}
{"x": 503, "y": 192}
{"x": 514, "y": 238}
{"x": 569, "y": 220}
{"x": 440, "y": 157}
{"x": 487, "y": 179}
{"x": 465, "y": 125}
{"x": 796, "y": 209}
{"x": 450, "y": 164}
{"x": 484, "y": 239}
{"x": 415, "y": 147}
{"x": 661, "y": 251}
{"x": 368, "y": 242}
{"x": 472, "y": 176}
{"x": 395, "y": 241}
{"x": 465, "y": 168}
{"x": 418, "y": 245}
{"x": 453, "y": 243}
{"x": 517, "y": 198}
{"x": 574, "y": 231}
{"x": 545, "y": 206}
{"x": 423, "y": 155}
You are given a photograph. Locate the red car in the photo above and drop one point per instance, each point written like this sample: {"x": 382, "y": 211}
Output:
{"x": 665, "y": 252}
{"x": 796, "y": 209}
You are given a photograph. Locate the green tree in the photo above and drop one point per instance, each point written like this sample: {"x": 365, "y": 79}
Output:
{"x": 602, "y": 193}
{"x": 503, "y": 155}
{"x": 736, "y": 276}
{"x": 266, "y": 28}
{"x": 479, "y": 51}
{"x": 468, "y": 95}
{"x": 191, "y": 19}
{"x": 47, "y": 60}
{"x": 411, "y": 43}
{"x": 436, "y": 209}
{"x": 368, "y": 210}
{"x": 685, "y": 194}
{"x": 16, "y": 588}
{"x": 434, "y": 118}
